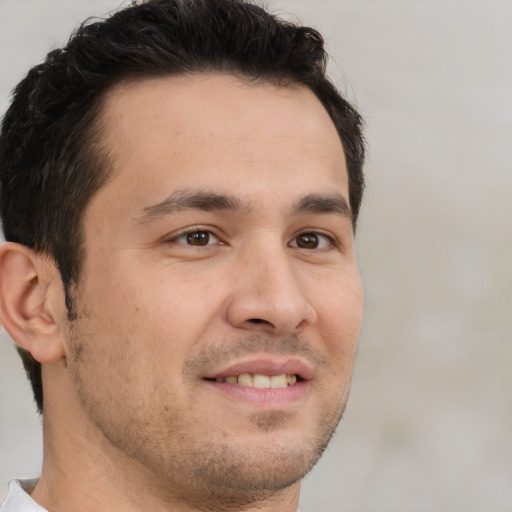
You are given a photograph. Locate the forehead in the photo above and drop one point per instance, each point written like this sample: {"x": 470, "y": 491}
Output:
{"x": 217, "y": 131}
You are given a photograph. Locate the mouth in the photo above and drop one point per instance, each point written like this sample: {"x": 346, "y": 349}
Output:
{"x": 259, "y": 380}
{"x": 267, "y": 383}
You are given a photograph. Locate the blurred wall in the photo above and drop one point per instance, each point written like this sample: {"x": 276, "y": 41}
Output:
{"x": 429, "y": 423}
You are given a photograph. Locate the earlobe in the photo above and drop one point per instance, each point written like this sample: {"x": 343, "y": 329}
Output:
{"x": 28, "y": 286}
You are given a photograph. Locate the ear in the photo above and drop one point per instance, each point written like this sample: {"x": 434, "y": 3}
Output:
{"x": 31, "y": 301}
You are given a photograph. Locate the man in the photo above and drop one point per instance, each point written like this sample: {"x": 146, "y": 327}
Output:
{"x": 179, "y": 190}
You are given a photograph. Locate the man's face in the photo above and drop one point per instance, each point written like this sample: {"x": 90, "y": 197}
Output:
{"x": 220, "y": 301}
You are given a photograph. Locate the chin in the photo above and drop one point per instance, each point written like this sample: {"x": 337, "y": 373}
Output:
{"x": 268, "y": 470}
{"x": 263, "y": 463}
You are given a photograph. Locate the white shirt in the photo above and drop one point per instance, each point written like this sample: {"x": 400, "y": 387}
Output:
{"x": 19, "y": 500}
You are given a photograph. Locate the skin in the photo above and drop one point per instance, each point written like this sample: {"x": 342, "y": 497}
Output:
{"x": 133, "y": 418}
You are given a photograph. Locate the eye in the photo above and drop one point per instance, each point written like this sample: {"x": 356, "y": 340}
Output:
{"x": 312, "y": 240}
{"x": 196, "y": 237}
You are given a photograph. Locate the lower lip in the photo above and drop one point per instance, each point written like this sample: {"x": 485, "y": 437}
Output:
{"x": 265, "y": 398}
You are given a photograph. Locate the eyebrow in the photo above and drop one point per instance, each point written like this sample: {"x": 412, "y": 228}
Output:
{"x": 191, "y": 199}
{"x": 330, "y": 203}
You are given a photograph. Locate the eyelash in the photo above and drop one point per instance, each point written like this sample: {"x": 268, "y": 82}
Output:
{"x": 194, "y": 230}
{"x": 331, "y": 242}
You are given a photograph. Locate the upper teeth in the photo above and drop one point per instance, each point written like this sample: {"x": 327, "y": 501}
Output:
{"x": 260, "y": 381}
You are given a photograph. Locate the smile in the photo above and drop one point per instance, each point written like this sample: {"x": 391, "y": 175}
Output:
{"x": 264, "y": 385}
{"x": 260, "y": 381}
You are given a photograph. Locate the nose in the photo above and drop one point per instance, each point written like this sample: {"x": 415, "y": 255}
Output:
{"x": 267, "y": 296}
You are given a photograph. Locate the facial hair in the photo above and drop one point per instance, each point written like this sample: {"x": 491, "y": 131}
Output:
{"x": 201, "y": 463}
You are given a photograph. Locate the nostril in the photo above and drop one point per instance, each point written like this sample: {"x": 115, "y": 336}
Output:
{"x": 259, "y": 321}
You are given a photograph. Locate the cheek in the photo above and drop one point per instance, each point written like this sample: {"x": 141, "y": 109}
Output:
{"x": 340, "y": 313}
{"x": 181, "y": 302}
{"x": 339, "y": 300}
{"x": 165, "y": 313}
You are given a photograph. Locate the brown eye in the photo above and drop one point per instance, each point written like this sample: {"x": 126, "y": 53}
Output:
{"x": 312, "y": 240}
{"x": 307, "y": 241}
{"x": 198, "y": 238}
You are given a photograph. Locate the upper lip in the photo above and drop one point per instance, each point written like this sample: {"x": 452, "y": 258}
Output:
{"x": 265, "y": 366}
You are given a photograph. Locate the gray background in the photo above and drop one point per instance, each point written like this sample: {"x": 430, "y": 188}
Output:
{"x": 429, "y": 422}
